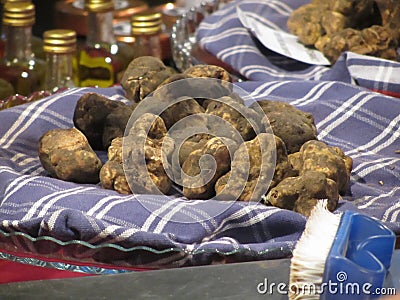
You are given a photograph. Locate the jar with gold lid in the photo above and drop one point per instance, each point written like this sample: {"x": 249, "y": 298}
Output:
{"x": 60, "y": 50}
{"x": 102, "y": 60}
{"x": 19, "y": 65}
{"x": 146, "y": 29}
{"x": 37, "y": 42}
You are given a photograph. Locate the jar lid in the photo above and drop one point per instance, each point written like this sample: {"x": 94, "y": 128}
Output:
{"x": 145, "y": 17}
{"x": 146, "y": 23}
{"x": 18, "y": 13}
{"x": 59, "y": 41}
{"x": 99, "y": 5}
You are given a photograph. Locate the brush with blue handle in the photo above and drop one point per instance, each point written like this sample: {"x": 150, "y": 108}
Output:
{"x": 340, "y": 256}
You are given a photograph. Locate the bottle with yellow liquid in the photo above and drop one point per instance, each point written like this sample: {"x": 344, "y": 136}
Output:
{"x": 19, "y": 66}
{"x": 102, "y": 61}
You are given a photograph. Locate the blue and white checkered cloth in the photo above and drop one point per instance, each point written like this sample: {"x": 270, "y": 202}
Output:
{"x": 365, "y": 124}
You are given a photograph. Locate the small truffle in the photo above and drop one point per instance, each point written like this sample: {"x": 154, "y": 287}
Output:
{"x": 210, "y": 71}
{"x": 283, "y": 167}
{"x": 305, "y": 23}
{"x": 112, "y": 177}
{"x": 356, "y": 9}
{"x": 390, "y": 15}
{"x": 114, "y": 152}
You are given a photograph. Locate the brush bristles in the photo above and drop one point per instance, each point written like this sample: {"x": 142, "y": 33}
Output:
{"x": 311, "y": 251}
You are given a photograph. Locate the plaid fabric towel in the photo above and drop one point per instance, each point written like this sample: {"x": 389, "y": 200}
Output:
{"x": 140, "y": 229}
{"x": 224, "y": 36}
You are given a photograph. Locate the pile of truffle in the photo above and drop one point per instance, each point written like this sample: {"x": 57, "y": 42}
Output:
{"x": 304, "y": 170}
{"x": 370, "y": 27}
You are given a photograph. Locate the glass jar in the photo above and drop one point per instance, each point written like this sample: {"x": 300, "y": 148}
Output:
{"x": 146, "y": 30}
{"x": 37, "y": 43}
{"x": 60, "y": 50}
{"x": 19, "y": 65}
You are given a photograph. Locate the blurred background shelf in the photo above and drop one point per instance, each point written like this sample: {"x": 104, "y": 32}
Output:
{"x": 48, "y": 10}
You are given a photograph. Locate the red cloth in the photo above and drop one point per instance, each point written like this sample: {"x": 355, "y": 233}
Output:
{"x": 15, "y": 271}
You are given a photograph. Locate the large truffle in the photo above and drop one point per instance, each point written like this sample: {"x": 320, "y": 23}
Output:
{"x": 181, "y": 109}
{"x": 143, "y": 75}
{"x": 201, "y": 171}
{"x": 115, "y": 124}
{"x": 146, "y": 149}
{"x": 317, "y": 156}
{"x": 257, "y": 165}
{"x": 240, "y": 118}
{"x": 67, "y": 155}
{"x": 194, "y": 142}
{"x": 199, "y": 88}
{"x": 292, "y": 125}
{"x": 90, "y": 117}
{"x": 302, "y": 193}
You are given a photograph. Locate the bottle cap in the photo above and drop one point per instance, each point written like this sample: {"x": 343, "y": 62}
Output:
{"x": 59, "y": 41}
{"x": 146, "y": 23}
{"x": 99, "y": 5}
{"x": 18, "y": 13}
